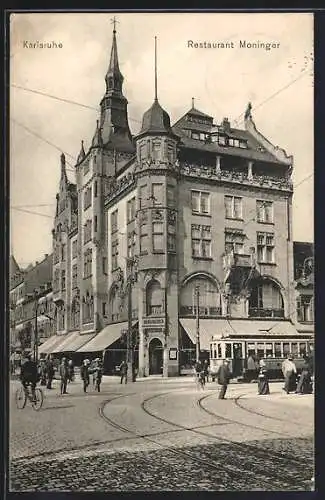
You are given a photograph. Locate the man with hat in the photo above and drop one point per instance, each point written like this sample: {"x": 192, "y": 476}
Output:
{"x": 64, "y": 375}
{"x": 224, "y": 376}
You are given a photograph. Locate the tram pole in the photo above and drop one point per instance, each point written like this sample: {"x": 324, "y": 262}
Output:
{"x": 197, "y": 295}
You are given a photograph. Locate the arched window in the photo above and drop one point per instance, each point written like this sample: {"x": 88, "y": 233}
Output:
{"x": 266, "y": 300}
{"x": 203, "y": 289}
{"x": 154, "y": 298}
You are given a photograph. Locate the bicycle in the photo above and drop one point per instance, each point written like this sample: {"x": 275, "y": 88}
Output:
{"x": 200, "y": 380}
{"x": 23, "y": 394}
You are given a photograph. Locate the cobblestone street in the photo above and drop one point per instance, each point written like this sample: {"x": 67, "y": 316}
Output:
{"x": 162, "y": 435}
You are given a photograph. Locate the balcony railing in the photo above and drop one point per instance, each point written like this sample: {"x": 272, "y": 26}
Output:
{"x": 209, "y": 172}
{"x": 154, "y": 311}
{"x": 203, "y": 311}
{"x": 257, "y": 312}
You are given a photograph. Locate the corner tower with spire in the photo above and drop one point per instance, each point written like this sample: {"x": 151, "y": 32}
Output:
{"x": 156, "y": 178}
{"x": 114, "y": 126}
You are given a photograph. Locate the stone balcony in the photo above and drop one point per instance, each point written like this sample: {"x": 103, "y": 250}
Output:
{"x": 255, "y": 180}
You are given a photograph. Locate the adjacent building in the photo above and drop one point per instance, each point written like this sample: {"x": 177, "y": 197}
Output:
{"x": 304, "y": 285}
{"x": 30, "y": 301}
{"x": 180, "y": 219}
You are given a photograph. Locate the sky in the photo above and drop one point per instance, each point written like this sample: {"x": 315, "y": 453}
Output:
{"x": 278, "y": 83}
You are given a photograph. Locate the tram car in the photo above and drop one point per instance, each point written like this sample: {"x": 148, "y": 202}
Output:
{"x": 273, "y": 350}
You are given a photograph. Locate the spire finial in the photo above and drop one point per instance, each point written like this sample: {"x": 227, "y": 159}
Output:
{"x": 156, "y": 92}
{"x": 113, "y": 22}
{"x": 192, "y": 102}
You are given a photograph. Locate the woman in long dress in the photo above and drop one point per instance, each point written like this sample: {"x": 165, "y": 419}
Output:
{"x": 263, "y": 381}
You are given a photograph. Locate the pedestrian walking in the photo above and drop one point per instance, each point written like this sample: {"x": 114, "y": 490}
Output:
{"x": 305, "y": 384}
{"x": 84, "y": 373}
{"x": 263, "y": 381}
{"x": 124, "y": 372}
{"x": 98, "y": 374}
{"x": 42, "y": 371}
{"x": 224, "y": 376}
{"x": 206, "y": 370}
{"x": 64, "y": 375}
{"x": 49, "y": 371}
{"x": 251, "y": 368}
{"x": 289, "y": 371}
{"x": 71, "y": 370}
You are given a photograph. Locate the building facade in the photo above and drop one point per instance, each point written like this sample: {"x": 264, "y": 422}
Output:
{"x": 30, "y": 300}
{"x": 304, "y": 286}
{"x": 180, "y": 220}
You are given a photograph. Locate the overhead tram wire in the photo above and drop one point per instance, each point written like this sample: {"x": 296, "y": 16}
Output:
{"x": 304, "y": 72}
{"x": 32, "y": 212}
{"x": 68, "y": 101}
{"x": 47, "y": 142}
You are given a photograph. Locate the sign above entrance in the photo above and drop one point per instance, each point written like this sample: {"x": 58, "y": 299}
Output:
{"x": 153, "y": 322}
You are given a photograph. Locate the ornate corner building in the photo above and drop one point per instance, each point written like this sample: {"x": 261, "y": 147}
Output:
{"x": 195, "y": 217}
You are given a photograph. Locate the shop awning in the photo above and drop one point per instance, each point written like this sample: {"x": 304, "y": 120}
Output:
{"x": 73, "y": 341}
{"x": 208, "y": 329}
{"x": 106, "y": 337}
{"x": 220, "y": 327}
{"x": 264, "y": 328}
{"x": 50, "y": 343}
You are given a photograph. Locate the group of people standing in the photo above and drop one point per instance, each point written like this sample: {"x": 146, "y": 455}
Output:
{"x": 301, "y": 384}
{"x": 95, "y": 369}
{"x": 292, "y": 383}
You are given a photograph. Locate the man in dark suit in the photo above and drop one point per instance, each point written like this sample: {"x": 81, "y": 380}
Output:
{"x": 224, "y": 377}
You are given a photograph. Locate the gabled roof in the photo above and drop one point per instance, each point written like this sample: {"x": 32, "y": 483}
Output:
{"x": 254, "y": 151}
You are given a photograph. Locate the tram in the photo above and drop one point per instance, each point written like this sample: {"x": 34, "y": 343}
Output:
{"x": 273, "y": 350}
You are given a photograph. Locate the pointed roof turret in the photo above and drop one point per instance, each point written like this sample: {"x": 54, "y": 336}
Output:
{"x": 97, "y": 139}
{"x": 63, "y": 167}
{"x": 81, "y": 154}
{"x": 114, "y": 78}
{"x": 156, "y": 119}
{"x": 114, "y": 131}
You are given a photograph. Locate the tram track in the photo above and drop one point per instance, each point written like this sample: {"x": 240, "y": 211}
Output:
{"x": 268, "y": 472}
{"x": 264, "y": 470}
{"x": 254, "y": 412}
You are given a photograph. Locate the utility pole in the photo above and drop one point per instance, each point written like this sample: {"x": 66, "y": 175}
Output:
{"x": 197, "y": 295}
{"x": 130, "y": 348}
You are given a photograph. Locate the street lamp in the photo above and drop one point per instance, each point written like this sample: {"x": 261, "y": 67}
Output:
{"x": 197, "y": 295}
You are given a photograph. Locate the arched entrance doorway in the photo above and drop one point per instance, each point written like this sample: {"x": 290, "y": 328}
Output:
{"x": 155, "y": 357}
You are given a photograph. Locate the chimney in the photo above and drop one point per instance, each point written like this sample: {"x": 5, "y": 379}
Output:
{"x": 226, "y": 125}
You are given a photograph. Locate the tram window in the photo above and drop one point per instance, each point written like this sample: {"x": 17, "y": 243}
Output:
{"x": 277, "y": 349}
{"x": 251, "y": 349}
{"x": 260, "y": 350}
{"x": 228, "y": 350}
{"x": 286, "y": 348}
{"x": 219, "y": 351}
{"x": 302, "y": 348}
{"x": 238, "y": 353}
{"x": 294, "y": 348}
{"x": 269, "y": 350}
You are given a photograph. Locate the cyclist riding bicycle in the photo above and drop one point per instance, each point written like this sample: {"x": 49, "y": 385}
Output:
{"x": 29, "y": 375}
{"x": 200, "y": 374}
